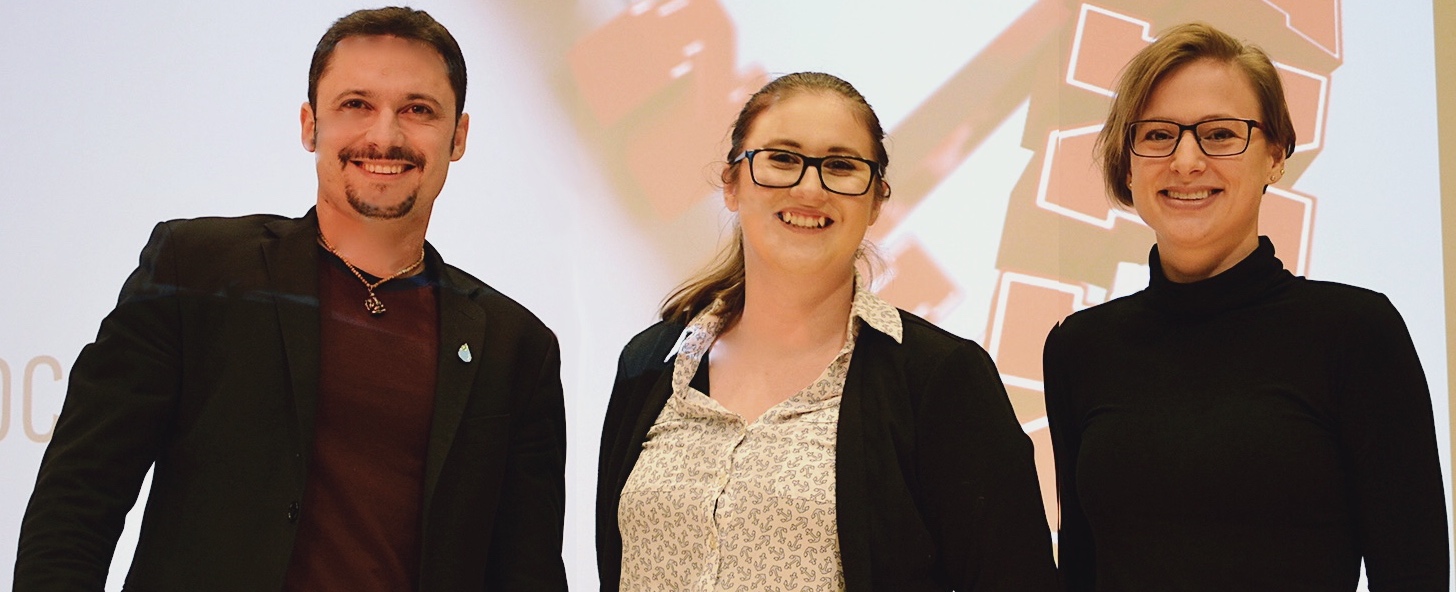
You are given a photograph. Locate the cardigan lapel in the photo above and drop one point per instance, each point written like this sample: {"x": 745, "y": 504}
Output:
{"x": 292, "y": 260}
{"x": 875, "y": 446}
{"x": 652, "y": 407}
{"x": 462, "y": 339}
{"x": 851, "y": 488}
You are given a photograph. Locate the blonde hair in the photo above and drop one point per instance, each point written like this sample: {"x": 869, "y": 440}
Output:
{"x": 1175, "y": 48}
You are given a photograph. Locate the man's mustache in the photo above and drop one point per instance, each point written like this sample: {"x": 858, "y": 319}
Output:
{"x": 398, "y": 153}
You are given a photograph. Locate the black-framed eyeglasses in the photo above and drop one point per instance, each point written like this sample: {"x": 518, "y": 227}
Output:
{"x": 845, "y": 175}
{"x": 1224, "y": 136}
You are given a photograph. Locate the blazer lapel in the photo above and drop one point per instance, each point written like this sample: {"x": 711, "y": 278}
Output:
{"x": 292, "y": 264}
{"x": 462, "y": 337}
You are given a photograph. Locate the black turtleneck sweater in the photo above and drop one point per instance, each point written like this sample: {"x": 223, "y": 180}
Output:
{"x": 1252, "y": 431}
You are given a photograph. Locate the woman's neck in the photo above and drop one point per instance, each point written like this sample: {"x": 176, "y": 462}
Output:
{"x": 796, "y": 312}
{"x": 1185, "y": 265}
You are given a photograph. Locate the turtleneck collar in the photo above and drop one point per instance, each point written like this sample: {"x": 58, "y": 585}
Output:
{"x": 1258, "y": 274}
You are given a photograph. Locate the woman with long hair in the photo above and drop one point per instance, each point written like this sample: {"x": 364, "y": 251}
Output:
{"x": 782, "y": 428}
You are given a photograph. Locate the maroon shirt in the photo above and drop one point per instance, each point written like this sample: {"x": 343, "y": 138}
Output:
{"x": 359, "y": 525}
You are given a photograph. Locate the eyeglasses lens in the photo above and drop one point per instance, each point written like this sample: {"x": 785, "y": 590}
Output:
{"x": 781, "y": 168}
{"x": 1217, "y": 137}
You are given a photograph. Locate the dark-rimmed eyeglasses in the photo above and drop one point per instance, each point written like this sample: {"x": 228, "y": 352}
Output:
{"x": 845, "y": 175}
{"x": 1224, "y": 136}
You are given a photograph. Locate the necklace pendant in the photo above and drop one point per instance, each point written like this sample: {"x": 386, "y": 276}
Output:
{"x": 373, "y": 305}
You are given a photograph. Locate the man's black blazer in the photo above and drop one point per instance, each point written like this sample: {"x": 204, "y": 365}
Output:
{"x": 208, "y": 367}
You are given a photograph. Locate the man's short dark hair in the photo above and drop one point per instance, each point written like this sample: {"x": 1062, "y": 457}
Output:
{"x": 397, "y": 21}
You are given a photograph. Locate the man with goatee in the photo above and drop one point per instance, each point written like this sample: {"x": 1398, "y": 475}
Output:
{"x": 326, "y": 404}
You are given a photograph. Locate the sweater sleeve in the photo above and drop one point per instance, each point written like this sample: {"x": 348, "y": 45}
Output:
{"x": 980, "y": 483}
{"x": 1388, "y": 443}
{"x": 1076, "y": 556}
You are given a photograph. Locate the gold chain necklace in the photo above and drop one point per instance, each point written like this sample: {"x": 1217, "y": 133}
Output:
{"x": 372, "y": 303}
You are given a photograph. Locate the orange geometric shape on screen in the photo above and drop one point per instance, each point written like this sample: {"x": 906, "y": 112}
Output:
{"x": 1318, "y": 21}
{"x": 1306, "y": 93}
{"x": 1287, "y": 218}
{"x": 661, "y": 79}
{"x": 1025, "y": 309}
{"x": 1103, "y": 42}
{"x": 667, "y": 155}
{"x": 1071, "y": 183}
{"x": 1030, "y": 406}
{"x": 919, "y": 285}
{"x": 1046, "y": 473}
{"x": 939, "y": 134}
{"x": 627, "y": 61}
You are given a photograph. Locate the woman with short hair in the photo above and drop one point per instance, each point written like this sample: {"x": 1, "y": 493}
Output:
{"x": 1233, "y": 426}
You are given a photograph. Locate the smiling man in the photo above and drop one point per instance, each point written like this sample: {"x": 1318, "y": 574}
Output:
{"x": 326, "y": 404}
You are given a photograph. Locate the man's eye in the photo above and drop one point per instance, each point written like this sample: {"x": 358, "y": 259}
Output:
{"x": 419, "y": 110}
{"x": 353, "y": 104}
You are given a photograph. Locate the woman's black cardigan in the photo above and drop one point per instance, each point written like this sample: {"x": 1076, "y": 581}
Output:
{"x": 935, "y": 479}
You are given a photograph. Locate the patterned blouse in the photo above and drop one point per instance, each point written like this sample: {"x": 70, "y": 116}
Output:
{"x": 716, "y": 503}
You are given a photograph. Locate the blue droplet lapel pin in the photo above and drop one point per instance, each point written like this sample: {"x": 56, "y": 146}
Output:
{"x": 464, "y": 353}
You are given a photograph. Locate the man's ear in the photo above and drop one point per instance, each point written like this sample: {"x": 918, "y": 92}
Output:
{"x": 309, "y": 127}
{"x": 462, "y": 129}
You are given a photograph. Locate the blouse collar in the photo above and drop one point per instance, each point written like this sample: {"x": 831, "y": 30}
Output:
{"x": 879, "y": 315}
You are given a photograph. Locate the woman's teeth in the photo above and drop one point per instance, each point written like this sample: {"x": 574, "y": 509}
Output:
{"x": 803, "y": 221}
{"x": 1188, "y": 195}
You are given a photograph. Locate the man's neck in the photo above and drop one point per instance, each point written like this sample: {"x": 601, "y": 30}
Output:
{"x": 380, "y": 248}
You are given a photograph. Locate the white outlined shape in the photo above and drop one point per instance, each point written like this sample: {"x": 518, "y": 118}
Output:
{"x": 1314, "y": 142}
{"x": 1306, "y": 226}
{"x": 671, "y": 6}
{"x": 998, "y": 317}
{"x": 1289, "y": 24}
{"x": 1043, "y": 184}
{"x": 1039, "y": 423}
{"x": 1077, "y": 45}
{"x": 1319, "y": 112}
